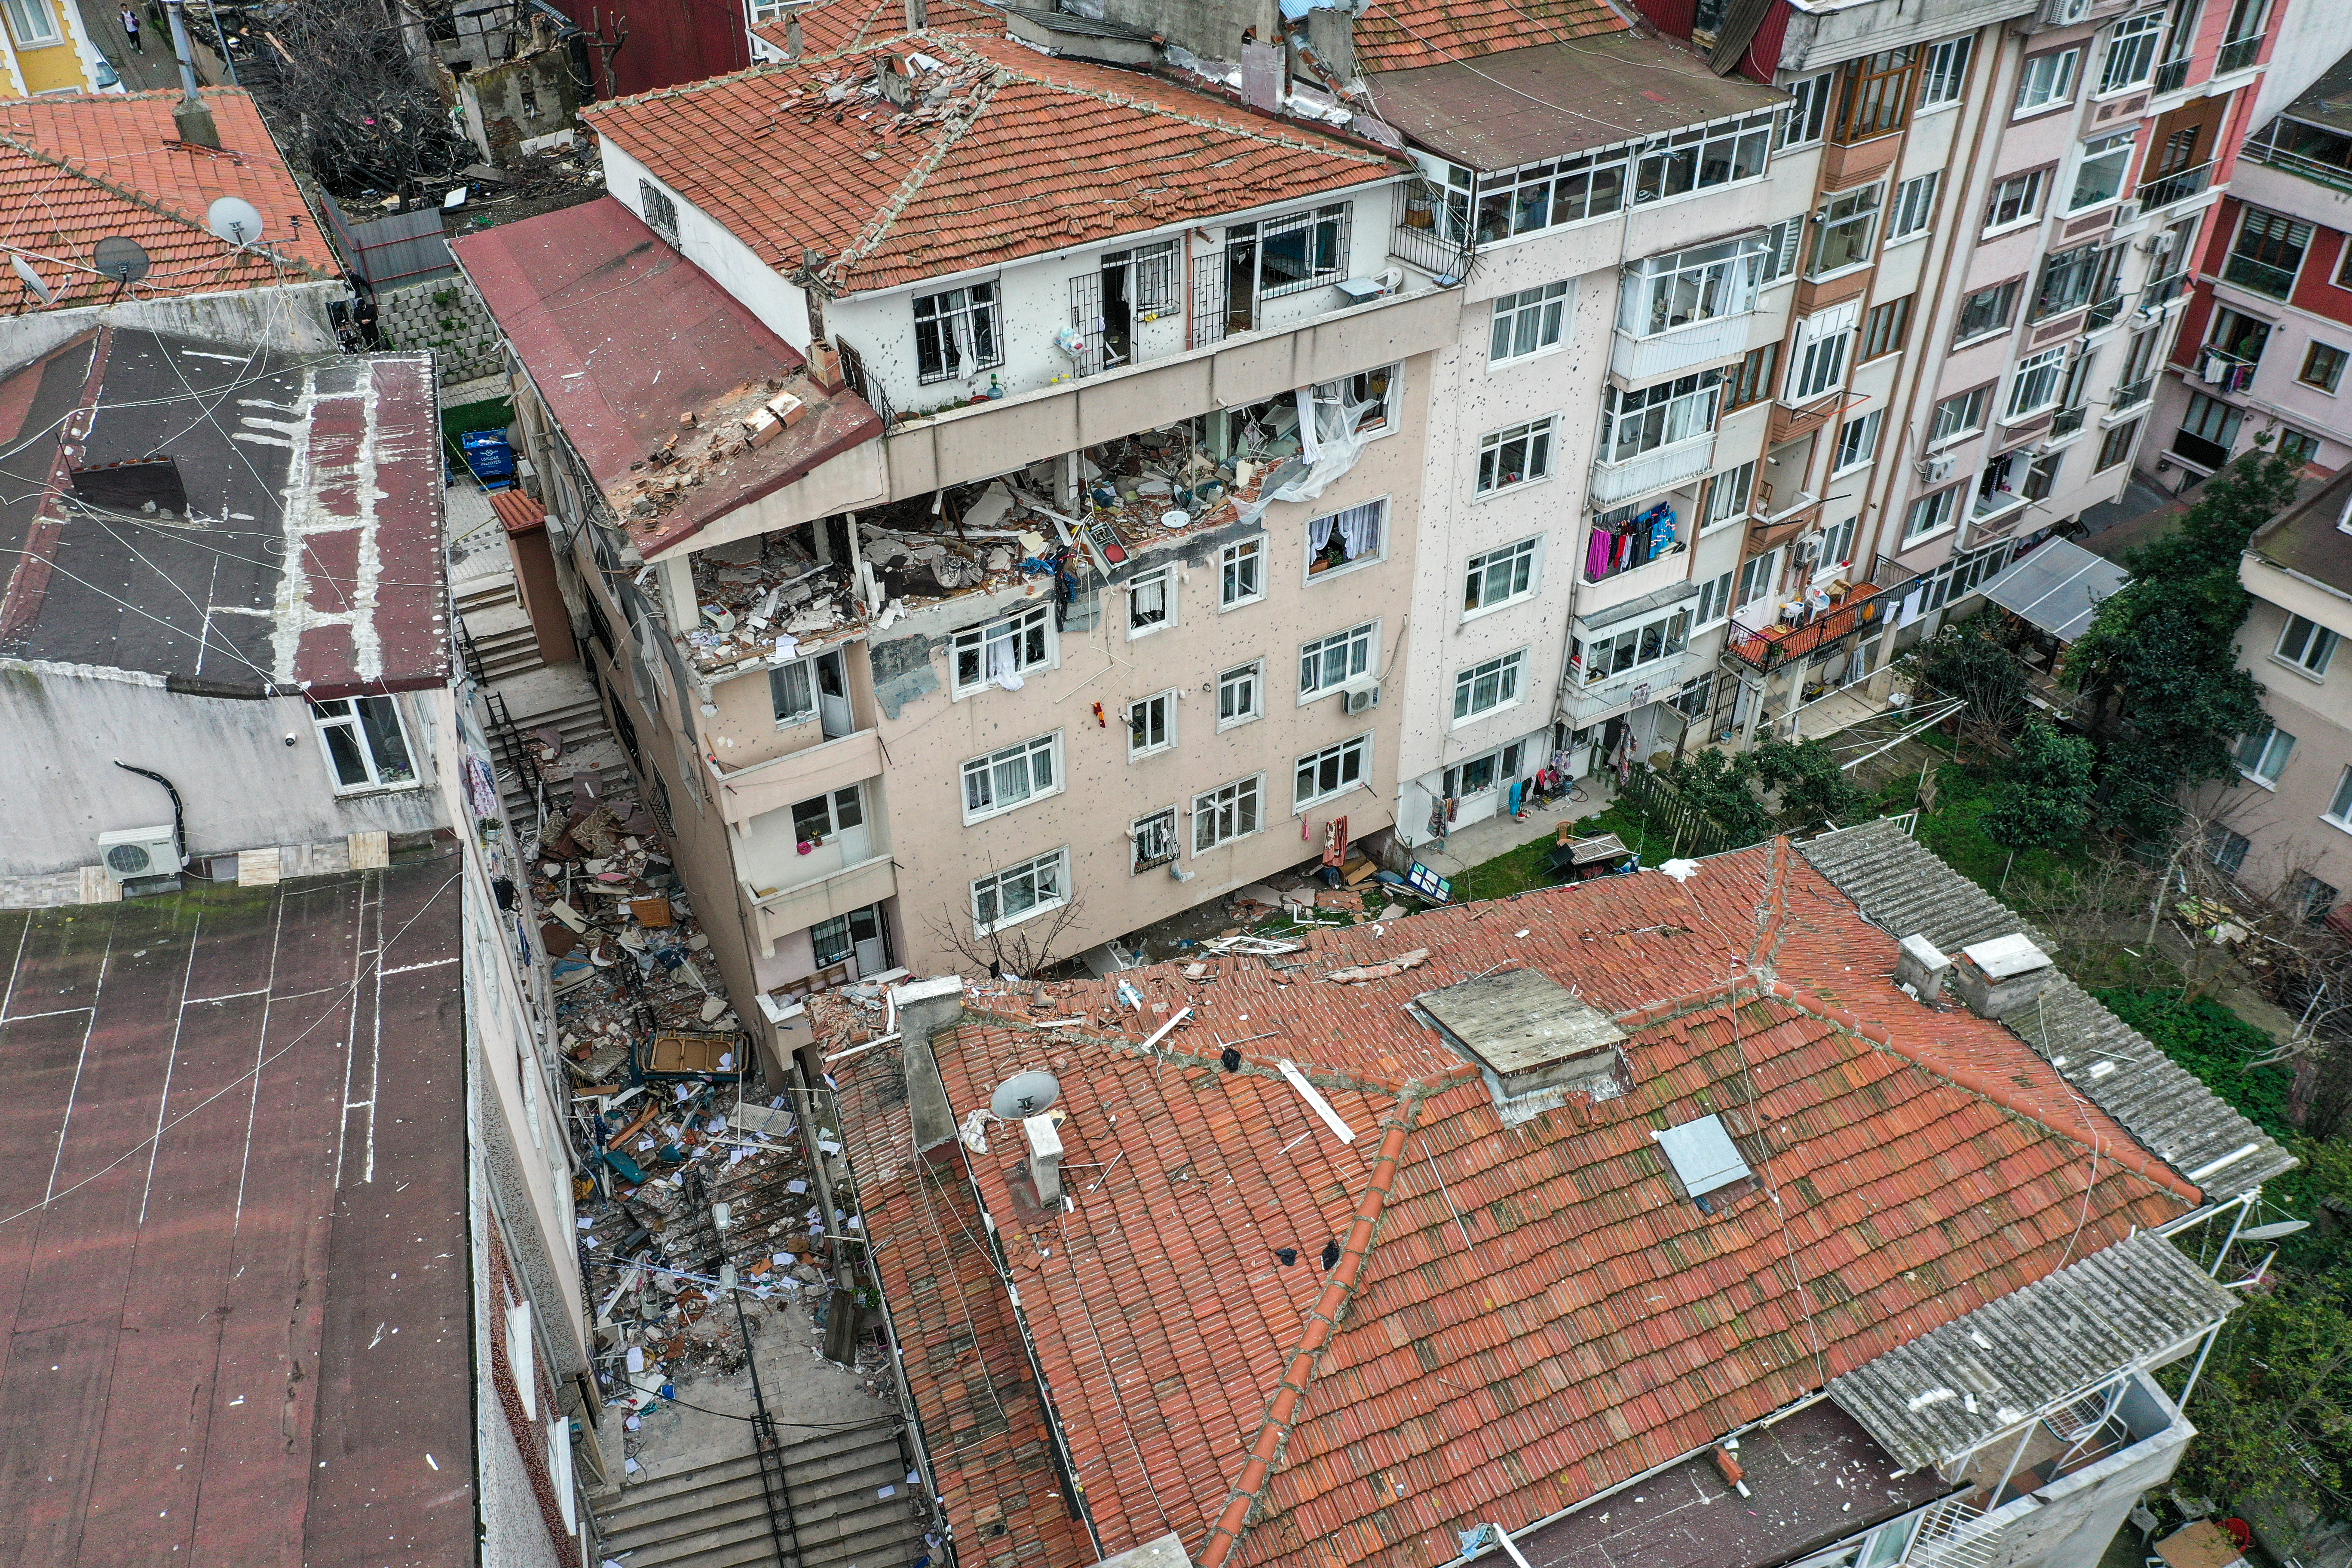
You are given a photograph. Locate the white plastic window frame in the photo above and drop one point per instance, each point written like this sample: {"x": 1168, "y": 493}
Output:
{"x": 1507, "y": 673}
{"x": 1018, "y": 621}
{"x": 344, "y": 713}
{"x": 1245, "y": 558}
{"x": 1157, "y": 711}
{"x": 1162, "y": 580}
{"x": 1220, "y": 810}
{"x": 1027, "y": 751}
{"x": 1058, "y": 860}
{"x": 1356, "y": 749}
{"x": 1524, "y": 555}
{"x": 1368, "y": 634}
{"x": 1247, "y": 681}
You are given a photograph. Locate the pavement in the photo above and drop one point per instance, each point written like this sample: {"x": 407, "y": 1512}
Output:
{"x": 140, "y": 72}
{"x": 1498, "y": 834}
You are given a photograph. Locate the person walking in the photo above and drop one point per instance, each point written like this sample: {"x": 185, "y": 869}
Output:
{"x": 131, "y": 30}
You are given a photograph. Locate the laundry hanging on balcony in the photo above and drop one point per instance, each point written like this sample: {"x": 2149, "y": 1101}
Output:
{"x": 1630, "y": 541}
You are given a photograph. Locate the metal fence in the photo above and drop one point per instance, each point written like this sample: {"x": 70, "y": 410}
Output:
{"x": 386, "y": 252}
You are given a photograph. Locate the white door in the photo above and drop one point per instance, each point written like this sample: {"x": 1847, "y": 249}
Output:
{"x": 871, "y": 957}
{"x": 833, "y": 696}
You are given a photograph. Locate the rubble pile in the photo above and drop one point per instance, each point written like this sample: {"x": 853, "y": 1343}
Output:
{"x": 741, "y": 420}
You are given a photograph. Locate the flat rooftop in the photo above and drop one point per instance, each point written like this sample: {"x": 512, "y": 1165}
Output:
{"x": 233, "y": 1229}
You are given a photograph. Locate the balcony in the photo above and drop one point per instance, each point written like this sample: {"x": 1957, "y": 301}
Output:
{"x": 2131, "y": 394}
{"x": 1773, "y": 526}
{"x": 1637, "y": 360}
{"x": 2177, "y": 186}
{"x": 775, "y": 784}
{"x": 1790, "y": 424}
{"x": 2172, "y": 76}
{"x": 2065, "y": 422}
{"x": 2230, "y": 373}
{"x": 1770, "y": 648}
{"x": 2237, "y": 54}
{"x": 2320, "y": 155}
{"x": 1655, "y": 470}
{"x": 780, "y": 914}
{"x": 2162, "y": 291}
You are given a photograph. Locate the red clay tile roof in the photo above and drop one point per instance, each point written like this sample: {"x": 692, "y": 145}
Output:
{"x": 840, "y": 27}
{"x": 1525, "y": 1316}
{"x": 1399, "y": 34}
{"x": 517, "y": 510}
{"x": 1026, "y": 154}
{"x": 76, "y": 168}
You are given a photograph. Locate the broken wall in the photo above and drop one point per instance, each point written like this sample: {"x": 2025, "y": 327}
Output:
{"x": 508, "y": 104}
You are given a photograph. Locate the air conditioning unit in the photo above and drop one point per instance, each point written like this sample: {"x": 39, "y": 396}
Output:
{"x": 2065, "y": 13}
{"x": 1935, "y": 468}
{"x": 2128, "y": 213}
{"x": 1359, "y": 697}
{"x": 135, "y": 854}
{"x": 2159, "y": 243}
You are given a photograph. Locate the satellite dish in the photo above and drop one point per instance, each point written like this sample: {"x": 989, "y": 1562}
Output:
{"x": 121, "y": 257}
{"x": 1024, "y": 1094}
{"x": 235, "y": 219}
{"x": 2273, "y": 1231}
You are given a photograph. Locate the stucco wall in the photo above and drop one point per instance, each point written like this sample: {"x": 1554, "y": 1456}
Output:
{"x": 291, "y": 316}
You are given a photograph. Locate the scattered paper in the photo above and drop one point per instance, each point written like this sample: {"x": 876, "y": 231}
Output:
{"x": 886, "y": 1491}
{"x": 795, "y": 1186}
{"x": 630, "y": 1466}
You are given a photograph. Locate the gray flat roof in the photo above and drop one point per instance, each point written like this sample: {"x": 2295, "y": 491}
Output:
{"x": 2328, "y": 101}
{"x": 1501, "y": 114}
{"x": 2058, "y": 587}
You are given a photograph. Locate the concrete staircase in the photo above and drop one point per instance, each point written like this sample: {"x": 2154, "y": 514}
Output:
{"x": 715, "y": 1516}
{"x": 536, "y": 694}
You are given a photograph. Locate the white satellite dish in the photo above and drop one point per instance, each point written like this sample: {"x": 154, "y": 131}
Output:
{"x": 2273, "y": 1231}
{"x": 1024, "y": 1094}
{"x": 234, "y": 219}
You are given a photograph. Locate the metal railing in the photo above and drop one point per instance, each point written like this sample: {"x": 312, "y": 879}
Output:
{"x": 1759, "y": 651}
{"x": 2333, "y": 176}
{"x": 2162, "y": 291}
{"x": 1429, "y": 233}
{"x": 2235, "y": 372}
{"x": 2104, "y": 313}
{"x": 2132, "y": 394}
{"x": 2237, "y": 54}
{"x": 2177, "y": 186}
{"x": 1953, "y": 1533}
{"x": 853, "y": 371}
{"x": 2262, "y": 277}
{"x": 2065, "y": 422}
{"x": 2172, "y": 74}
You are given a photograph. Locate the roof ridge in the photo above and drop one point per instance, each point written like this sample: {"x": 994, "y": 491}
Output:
{"x": 878, "y": 226}
{"x": 1105, "y": 95}
{"x": 1314, "y": 1338}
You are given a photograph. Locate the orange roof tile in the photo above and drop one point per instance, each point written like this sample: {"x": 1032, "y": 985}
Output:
{"x": 1523, "y": 1316}
{"x": 1399, "y": 34}
{"x": 1023, "y": 154}
{"x": 840, "y": 27}
{"x": 76, "y": 168}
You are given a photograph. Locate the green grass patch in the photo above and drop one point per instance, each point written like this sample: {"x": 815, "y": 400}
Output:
{"x": 1520, "y": 869}
{"x": 2212, "y": 1042}
{"x": 1955, "y": 830}
{"x": 490, "y": 413}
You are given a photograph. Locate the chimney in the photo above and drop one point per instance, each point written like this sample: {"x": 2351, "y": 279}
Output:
{"x": 189, "y": 116}
{"x": 793, "y": 33}
{"x": 1044, "y": 1159}
{"x": 925, "y": 1008}
{"x": 918, "y": 16}
{"x": 2000, "y": 975}
{"x": 825, "y": 366}
{"x": 1922, "y": 968}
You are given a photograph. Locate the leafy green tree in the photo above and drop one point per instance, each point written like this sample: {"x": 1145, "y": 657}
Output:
{"x": 1813, "y": 788}
{"x": 2044, "y": 798}
{"x": 2273, "y": 1409}
{"x": 1718, "y": 786}
{"x": 2161, "y": 654}
{"x": 1968, "y": 659}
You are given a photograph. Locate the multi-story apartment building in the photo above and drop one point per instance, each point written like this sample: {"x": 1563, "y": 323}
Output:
{"x": 2267, "y": 332}
{"x": 1000, "y": 538}
{"x": 2008, "y": 197}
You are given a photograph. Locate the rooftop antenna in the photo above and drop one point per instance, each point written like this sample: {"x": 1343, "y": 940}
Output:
{"x": 194, "y": 120}
{"x": 122, "y": 258}
{"x": 234, "y": 219}
{"x": 1023, "y": 1095}
{"x": 33, "y": 279}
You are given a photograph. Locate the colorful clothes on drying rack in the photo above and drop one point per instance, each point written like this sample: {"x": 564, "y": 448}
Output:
{"x": 1635, "y": 542}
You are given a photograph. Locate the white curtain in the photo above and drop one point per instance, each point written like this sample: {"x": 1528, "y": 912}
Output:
{"x": 1000, "y": 664}
{"x": 1359, "y": 529}
{"x": 1318, "y": 533}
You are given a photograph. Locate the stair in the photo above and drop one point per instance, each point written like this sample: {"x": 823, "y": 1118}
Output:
{"x": 715, "y": 1516}
{"x": 486, "y": 592}
{"x": 504, "y": 638}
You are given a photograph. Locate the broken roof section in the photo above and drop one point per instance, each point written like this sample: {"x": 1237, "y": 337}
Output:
{"x": 654, "y": 371}
{"x": 1002, "y": 153}
{"x": 236, "y": 523}
{"x": 1413, "y": 33}
{"x": 1903, "y": 888}
{"x": 840, "y": 27}
{"x": 1513, "y": 1320}
{"x": 2057, "y": 587}
{"x": 78, "y": 168}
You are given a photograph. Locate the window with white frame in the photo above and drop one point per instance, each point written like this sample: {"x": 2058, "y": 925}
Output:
{"x": 1958, "y": 417}
{"x": 1701, "y": 157}
{"x": 1808, "y": 110}
{"x": 366, "y": 746}
{"x": 2263, "y": 755}
{"x": 1241, "y": 573}
{"x": 1988, "y": 310}
{"x": 1780, "y": 242}
{"x": 1683, "y": 409}
{"x": 2226, "y": 848}
{"x": 1000, "y": 650}
{"x": 820, "y": 816}
{"x": 1820, "y": 368}
{"x": 1527, "y": 322}
{"x": 1943, "y": 73}
{"x": 1151, "y": 725}
{"x": 1007, "y": 897}
{"x": 1355, "y": 537}
{"x": 1516, "y": 455}
{"x": 1714, "y": 602}
{"x": 1331, "y": 771}
{"x": 2048, "y": 80}
{"x": 2099, "y": 177}
{"x": 1152, "y": 601}
{"x": 1727, "y": 495}
{"x": 835, "y": 940}
{"x": 1915, "y": 205}
{"x": 1931, "y": 514}
{"x": 1241, "y": 694}
{"x": 1836, "y": 548}
{"x": 2339, "y": 805}
{"x": 955, "y": 333}
{"x": 1011, "y": 778}
{"x": 1500, "y": 577}
{"x": 1857, "y": 442}
{"x": 1484, "y": 688}
{"x": 661, "y": 213}
{"x": 1226, "y": 813}
{"x": 1154, "y": 838}
{"x": 1686, "y": 287}
{"x": 1329, "y": 663}
{"x": 2306, "y": 646}
{"x": 793, "y": 689}
{"x": 1756, "y": 575}
{"x": 2016, "y": 199}
{"x": 2037, "y": 383}
{"x": 2131, "y": 52}
{"x": 1378, "y": 388}
{"x": 1849, "y": 222}
{"x": 1628, "y": 648}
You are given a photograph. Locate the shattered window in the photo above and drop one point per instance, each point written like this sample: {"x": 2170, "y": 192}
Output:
{"x": 366, "y": 747}
{"x": 956, "y": 333}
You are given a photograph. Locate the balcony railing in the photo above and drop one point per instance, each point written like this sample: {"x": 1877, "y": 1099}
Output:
{"x": 2131, "y": 394}
{"x": 2237, "y": 54}
{"x": 1615, "y": 482}
{"x": 2333, "y": 176}
{"x": 2177, "y": 186}
{"x": 2262, "y": 277}
{"x": 2104, "y": 313}
{"x": 2172, "y": 74}
{"x": 2162, "y": 291}
{"x": 2065, "y": 423}
{"x": 2230, "y": 373}
{"x": 1768, "y": 650}
{"x": 1672, "y": 353}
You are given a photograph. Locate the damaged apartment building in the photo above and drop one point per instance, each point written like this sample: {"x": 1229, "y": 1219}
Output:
{"x": 977, "y": 545}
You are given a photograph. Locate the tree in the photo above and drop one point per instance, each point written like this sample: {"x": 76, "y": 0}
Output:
{"x": 1813, "y": 788}
{"x": 2160, "y": 658}
{"x": 2044, "y": 798}
{"x": 1024, "y": 950}
{"x": 1717, "y": 786}
{"x": 1968, "y": 659}
{"x": 2273, "y": 1409}
{"x": 343, "y": 96}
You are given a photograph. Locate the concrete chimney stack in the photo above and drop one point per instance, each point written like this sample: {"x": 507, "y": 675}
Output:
{"x": 1044, "y": 1159}
{"x": 189, "y": 117}
{"x": 1922, "y": 967}
{"x": 1997, "y": 976}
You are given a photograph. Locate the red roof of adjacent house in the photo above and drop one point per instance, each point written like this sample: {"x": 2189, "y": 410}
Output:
{"x": 1399, "y": 34}
{"x": 1006, "y": 153}
{"x": 841, "y": 26}
{"x": 1517, "y": 1317}
{"x": 76, "y": 168}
